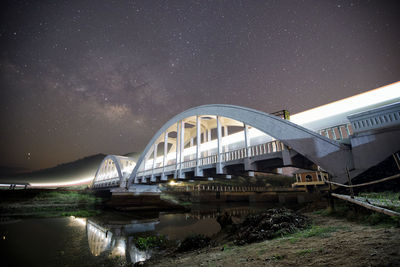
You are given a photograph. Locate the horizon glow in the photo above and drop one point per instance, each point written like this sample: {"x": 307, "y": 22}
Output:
{"x": 69, "y": 183}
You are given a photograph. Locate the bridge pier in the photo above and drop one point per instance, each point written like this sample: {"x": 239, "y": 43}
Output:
{"x": 140, "y": 197}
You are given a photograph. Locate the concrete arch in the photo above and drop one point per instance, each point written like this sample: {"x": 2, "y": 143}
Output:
{"x": 119, "y": 166}
{"x": 332, "y": 156}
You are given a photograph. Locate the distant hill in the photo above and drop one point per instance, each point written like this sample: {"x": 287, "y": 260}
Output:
{"x": 7, "y": 170}
{"x": 75, "y": 170}
{"x": 134, "y": 155}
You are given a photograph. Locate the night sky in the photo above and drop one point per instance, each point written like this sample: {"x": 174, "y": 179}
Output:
{"x": 85, "y": 77}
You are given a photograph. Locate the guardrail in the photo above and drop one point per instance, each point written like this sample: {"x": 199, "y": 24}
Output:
{"x": 338, "y": 132}
{"x": 106, "y": 182}
{"x": 381, "y": 117}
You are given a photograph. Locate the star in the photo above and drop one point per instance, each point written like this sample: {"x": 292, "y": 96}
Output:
{"x": 112, "y": 73}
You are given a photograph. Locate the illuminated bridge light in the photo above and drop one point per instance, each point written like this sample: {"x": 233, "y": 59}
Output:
{"x": 336, "y": 113}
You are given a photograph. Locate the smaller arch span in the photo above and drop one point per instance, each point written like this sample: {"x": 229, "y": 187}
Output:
{"x": 113, "y": 171}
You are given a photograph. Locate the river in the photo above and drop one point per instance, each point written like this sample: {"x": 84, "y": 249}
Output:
{"x": 106, "y": 239}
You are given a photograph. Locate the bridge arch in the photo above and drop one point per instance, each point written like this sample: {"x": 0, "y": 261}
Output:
{"x": 331, "y": 155}
{"x": 113, "y": 171}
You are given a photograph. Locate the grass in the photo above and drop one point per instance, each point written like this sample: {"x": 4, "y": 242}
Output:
{"x": 359, "y": 214}
{"x": 304, "y": 251}
{"x": 81, "y": 213}
{"x": 227, "y": 247}
{"x": 387, "y": 195}
{"x": 313, "y": 231}
{"x": 278, "y": 257}
{"x": 387, "y": 199}
{"x": 144, "y": 243}
{"x": 54, "y": 203}
{"x": 60, "y": 197}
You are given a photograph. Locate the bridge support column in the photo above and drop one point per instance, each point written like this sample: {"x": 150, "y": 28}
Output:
{"x": 177, "y": 151}
{"x": 163, "y": 177}
{"x": 153, "y": 178}
{"x": 198, "y": 171}
{"x": 181, "y": 149}
{"x": 246, "y": 139}
{"x": 219, "y": 140}
{"x": 144, "y": 169}
{"x": 287, "y": 160}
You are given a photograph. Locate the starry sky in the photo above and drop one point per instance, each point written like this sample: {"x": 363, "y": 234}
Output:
{"x": 84, "y": 77}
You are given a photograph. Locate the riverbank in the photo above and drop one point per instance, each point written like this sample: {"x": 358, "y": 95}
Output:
{"x": 41, "y": 203}
{"x": 330, "y": 241}
{"x": 350, "y": 236}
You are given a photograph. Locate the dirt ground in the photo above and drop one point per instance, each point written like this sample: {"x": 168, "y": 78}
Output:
{"x": 337, "y": 243}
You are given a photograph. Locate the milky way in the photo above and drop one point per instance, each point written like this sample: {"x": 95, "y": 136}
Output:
{"x": 86, "y": 77}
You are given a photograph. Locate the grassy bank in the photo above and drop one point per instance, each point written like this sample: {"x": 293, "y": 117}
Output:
{"x": 49, "y": 203}
{"x": 359, "y": 214}
{"x": 329, "y": 241}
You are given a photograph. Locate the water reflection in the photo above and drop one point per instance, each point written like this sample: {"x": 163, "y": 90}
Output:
{"x": 99, "y": 238}
{"x": 116, "y": 237}
{"x": 71, "y": 241}
{"x": 136, "y": 255}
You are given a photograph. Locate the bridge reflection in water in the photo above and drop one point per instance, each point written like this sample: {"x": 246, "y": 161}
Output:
{"x": 117, "y": 237}
{"x": 116, "y": 240}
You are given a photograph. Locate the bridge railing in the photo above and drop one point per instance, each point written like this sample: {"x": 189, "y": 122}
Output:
{"x": 266, "y": 148}
{"x": 189, "y": 164}
{"x": 233, "y": 155}
{"x": 170, "y": 167}
{"x": 106, "y": 182}
{"x": 381, "y": 117}
{"x": 208, "y": 160}
{"x": 252, "y": 151}
{"x": 338, "y": 132}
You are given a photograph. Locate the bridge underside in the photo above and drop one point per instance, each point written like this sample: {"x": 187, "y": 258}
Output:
{"x": 268, "y": 163}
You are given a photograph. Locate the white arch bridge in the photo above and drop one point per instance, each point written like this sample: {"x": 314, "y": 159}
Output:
{"x": 224, "y": 139}
{"x": 112, "y": 171}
